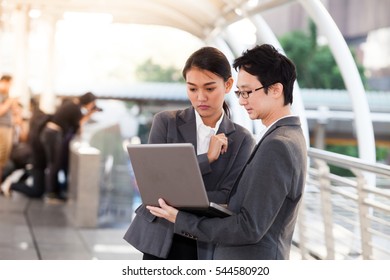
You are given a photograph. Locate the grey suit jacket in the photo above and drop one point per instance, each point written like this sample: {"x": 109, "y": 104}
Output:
{"x": 266, "y": 199}
{"x": 153, "y": 235}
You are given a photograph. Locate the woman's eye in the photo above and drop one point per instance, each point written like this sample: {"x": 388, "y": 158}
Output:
{"x": 210, "y": 89}
{"x": 192, "y": 89}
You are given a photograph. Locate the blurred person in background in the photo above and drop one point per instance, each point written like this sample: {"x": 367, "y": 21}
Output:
{"x": 7, "y": 106}
{"x": 56, "y": 135}
{"x": 21, "y": 152}
{"x": 20, "y": 156}
{"x": 30, "y": 159}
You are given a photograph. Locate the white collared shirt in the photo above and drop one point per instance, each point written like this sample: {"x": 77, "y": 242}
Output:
{"x": 204, "y": 133}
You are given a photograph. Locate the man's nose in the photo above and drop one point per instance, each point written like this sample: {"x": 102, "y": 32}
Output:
{"x": 242, "y": 101}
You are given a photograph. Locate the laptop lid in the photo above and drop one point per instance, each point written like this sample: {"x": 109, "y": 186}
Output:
{"x": 170, "y": 171}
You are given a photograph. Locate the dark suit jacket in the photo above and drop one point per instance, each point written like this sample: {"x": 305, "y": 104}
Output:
{"x": 153, "y": 235}
{"x": 265, "y": 198}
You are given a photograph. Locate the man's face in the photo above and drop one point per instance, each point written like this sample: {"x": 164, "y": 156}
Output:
{"x": 259, "y": 104}
{"x": 5, "y": 86}
{"x": 90, "y": 105}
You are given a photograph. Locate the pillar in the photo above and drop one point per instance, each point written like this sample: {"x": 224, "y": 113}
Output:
{"x": 20, "y": 87}
{"x": 48, "y": 96}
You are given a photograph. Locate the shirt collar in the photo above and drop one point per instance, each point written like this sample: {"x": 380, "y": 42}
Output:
{"x": 199, "y": 122}
{"x": 264, "y": 131}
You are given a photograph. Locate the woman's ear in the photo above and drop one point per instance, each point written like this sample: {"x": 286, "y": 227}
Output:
{"x": 229, "y": 85}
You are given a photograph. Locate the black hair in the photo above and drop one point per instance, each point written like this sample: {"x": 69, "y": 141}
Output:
{"x": 87, "y": 98}
{"x": 213, "y": 60}
{"x": 270, "y": 67}
{"x": 6, "y": 78}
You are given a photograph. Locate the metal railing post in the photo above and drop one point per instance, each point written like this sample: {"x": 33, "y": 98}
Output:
{"x": 364, "y": 212}
{"x": 326, "y": 208}
{"x": 302, "y": 231}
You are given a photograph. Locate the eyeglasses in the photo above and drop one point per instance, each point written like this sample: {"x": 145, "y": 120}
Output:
{"x": 245, "y": 93}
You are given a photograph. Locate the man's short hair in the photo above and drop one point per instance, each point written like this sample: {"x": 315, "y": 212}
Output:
{"x": 270, "y": 67}
{"x": 87, "y": 98}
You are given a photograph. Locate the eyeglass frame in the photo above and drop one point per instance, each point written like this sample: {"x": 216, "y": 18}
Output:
{"x": 247, "y": 92}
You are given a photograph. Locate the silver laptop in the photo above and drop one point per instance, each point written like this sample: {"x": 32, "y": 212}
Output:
{"x": 171, "y": 172}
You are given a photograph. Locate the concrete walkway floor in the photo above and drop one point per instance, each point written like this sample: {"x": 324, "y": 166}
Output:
{"x": 32, "y": 229}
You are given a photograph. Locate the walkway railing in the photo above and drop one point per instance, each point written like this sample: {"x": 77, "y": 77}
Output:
{"x": 344, "y": 218}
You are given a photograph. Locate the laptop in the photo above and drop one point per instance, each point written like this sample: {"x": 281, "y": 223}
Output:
{"x": 171, "y": 172}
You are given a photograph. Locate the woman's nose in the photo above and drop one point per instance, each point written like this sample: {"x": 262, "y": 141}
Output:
{"x": 202, "y": 95}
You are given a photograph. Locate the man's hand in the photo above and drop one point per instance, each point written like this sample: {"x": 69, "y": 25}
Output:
{"x": 164, "y": 211}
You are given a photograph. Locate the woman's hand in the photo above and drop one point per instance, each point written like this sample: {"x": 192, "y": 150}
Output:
{"x": 218, "y": 146}
{"x": 164, "y": 211}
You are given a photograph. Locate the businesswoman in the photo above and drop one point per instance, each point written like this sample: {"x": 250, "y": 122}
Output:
{"x": 222, "y": 149}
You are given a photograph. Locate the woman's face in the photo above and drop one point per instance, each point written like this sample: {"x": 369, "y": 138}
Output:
{"x": 206, "y": 91}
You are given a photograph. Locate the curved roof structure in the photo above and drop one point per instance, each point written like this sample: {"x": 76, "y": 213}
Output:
{"x": 198, "y": 17}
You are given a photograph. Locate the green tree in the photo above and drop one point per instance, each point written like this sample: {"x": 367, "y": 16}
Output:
{"x": 316, "y": 66}
{"x": 152, "y": 72}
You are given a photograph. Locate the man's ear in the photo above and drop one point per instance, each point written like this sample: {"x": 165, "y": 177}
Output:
{"x": 229, "y": 85}
{"x": 276, "y": 90}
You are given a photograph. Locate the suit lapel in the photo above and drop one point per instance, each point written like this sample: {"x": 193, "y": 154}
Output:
{"x": 187, "y": 125}
{"x": 227, "y": 127}
{"x": 291, "y": 121}
{"x": 283, "y": 122}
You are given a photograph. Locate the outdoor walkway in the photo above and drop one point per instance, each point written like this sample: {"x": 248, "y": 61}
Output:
{"x": 31, "y": 229}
